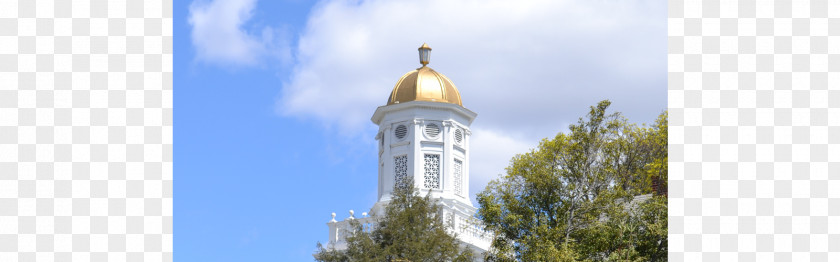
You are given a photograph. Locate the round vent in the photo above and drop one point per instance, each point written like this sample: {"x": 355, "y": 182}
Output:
{"x": 459, "y": 136}
{"x": 432, "y": 130}
{"x": 400, "y": 131}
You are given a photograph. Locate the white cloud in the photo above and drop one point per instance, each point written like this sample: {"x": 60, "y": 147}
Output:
{"x": 219, "y": 36}
{"x": 527, "y": 68}
{"x": 491, "y": 153}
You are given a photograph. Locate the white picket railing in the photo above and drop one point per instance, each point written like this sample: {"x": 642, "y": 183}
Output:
{"x": 466, "y": 229}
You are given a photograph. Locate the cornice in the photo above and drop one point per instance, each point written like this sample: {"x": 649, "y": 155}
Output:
{"x": 380, "y": 112}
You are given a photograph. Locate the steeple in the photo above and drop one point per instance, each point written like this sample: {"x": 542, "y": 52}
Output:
{"x": 424, "y": 139}
{"x": 424, "y": 136}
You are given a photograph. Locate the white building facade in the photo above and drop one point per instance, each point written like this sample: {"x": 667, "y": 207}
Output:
{"x": 424, "y": 139}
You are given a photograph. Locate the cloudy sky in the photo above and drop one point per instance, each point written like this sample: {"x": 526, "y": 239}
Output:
{"x": 274, "y": 99}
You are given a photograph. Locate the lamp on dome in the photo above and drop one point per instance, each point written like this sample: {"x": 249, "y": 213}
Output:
{"x": 425, "y": 52}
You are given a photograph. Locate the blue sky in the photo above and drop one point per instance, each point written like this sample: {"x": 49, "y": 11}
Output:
{"x": 273, "y": 100}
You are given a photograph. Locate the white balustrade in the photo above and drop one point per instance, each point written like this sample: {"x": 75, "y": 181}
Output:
{"x": 467, "y": 229}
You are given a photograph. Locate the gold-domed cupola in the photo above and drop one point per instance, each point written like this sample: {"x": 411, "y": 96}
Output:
{"x": 424, "y": 84}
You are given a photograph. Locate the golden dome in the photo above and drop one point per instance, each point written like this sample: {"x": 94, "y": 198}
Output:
{"x": 424, "y": 84}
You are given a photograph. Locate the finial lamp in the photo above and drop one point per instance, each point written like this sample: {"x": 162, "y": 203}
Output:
{"x": 425, "y": 52}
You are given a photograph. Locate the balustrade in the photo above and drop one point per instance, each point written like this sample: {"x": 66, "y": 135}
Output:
{"x": 467, "y": 229}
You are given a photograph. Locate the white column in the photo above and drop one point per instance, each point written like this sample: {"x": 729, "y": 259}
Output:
{"x": 387, "y": 162}
{"x": 447, "y": 160}
{"x": 333, "y": 230}
{"x": 466, "y": 165}
{"x": 416, "y": 160}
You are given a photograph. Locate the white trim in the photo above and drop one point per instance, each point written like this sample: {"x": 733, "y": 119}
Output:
{"x": 383, "y": 110}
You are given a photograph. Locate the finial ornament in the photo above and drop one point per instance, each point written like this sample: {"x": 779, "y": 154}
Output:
{"x": 333, "y": 217}
{"x": 425, "y": 52}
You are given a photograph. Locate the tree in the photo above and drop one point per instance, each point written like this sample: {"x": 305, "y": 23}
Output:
{"x": 410, "y": 230}
{"x": 568, "y": 198}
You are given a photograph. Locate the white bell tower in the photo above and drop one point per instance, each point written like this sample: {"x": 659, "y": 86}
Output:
{"x": 424, "y": 136}
{"x": 425, "y": 143}
{"x": 424, "y": 139}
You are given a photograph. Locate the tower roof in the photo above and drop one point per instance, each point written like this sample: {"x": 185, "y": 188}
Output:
{"x": 424, "y": 84}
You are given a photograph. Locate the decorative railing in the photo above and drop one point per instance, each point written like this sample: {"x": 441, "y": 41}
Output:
{"x": 467, "y": 229}
{"x": 340, "y": 230}
{"x": 470, "y": 230}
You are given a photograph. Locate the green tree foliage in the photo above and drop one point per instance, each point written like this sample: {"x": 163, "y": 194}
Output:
{"x": 570, "y": 198}
{"x": 410, "y": 230}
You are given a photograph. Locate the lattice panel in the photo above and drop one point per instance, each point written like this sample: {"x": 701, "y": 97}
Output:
{"x": 401, "y": 178}
{"x": 432, "y": 171}
{"x": 458, "y": 177}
